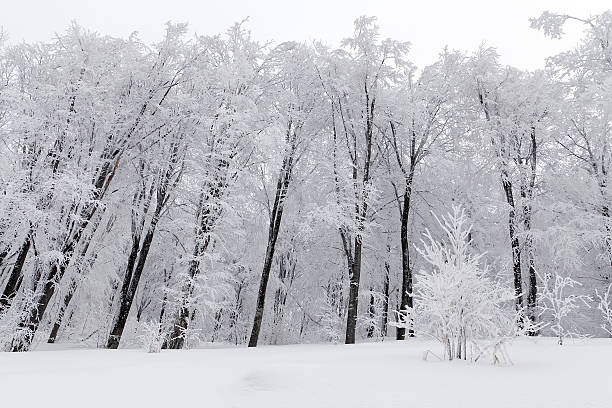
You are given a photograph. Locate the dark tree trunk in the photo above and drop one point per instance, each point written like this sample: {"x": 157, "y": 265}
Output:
{"x": 127, "y": 296}
{"x": 372, "y": 316}
{"x": 16, "y": 276}
{"x": 284, "y": 178}
{"x": 3, "y": 256}
{"x": 512, "y": 216}
{"x": 34, "y": 317}
{"x": 208, "y": 214}
{"x": 265, "y": 275}
{"x": 528, "y": 196}
{"x": 385, "y": 315}
{"x": 141, "y": 245}
{"x": 60, "y": 316}
{"x": 176, "y": 340}
{"x": 352, "y": 241}
{"x": 533, "y": 295}
{"x": 162, "y": 312}
{"x": 529, "y": 253}
{"x": 408, "y": 170}
{"x": 514, "y": 241}
{"x": 361, "y": 211}
{"x": 406, "y": 298}
{"x": 353, "y": 304}
{"x": 113, "y": 341}
{"x": 74, "y": 284}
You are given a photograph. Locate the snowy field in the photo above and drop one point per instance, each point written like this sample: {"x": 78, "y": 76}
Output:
{"x": 389, "y": 374}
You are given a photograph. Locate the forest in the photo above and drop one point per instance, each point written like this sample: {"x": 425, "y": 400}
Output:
{"x": 217, "y": 190}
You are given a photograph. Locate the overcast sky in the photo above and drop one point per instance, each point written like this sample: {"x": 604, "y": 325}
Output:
{"x": 427, "y": 24}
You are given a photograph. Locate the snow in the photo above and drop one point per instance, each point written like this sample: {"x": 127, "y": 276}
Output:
{"x": 388, "y": 374}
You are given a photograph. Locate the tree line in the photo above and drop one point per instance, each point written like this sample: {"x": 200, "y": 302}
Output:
{"x": 216, "y": 189}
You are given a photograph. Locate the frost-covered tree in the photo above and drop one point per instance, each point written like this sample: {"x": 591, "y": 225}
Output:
{"x": 355, "y": 78}
{"x": 297, "y": 100}
{"x": 421, "y": 118}
{"x": 227, "y": 85}
{"x": 457, "y": 301}
{"x": 582, "y": 122}
{"x": 515, "y": 108}
{"x": 215, "y": 189}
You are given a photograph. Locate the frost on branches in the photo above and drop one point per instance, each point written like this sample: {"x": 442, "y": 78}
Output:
{"x": 456, "y": 301}
{"x": 604, "y": 305}
{"x": 558, "y": 303}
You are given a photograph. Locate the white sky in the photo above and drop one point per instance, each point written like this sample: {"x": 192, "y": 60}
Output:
{"x": 427, "y": 24}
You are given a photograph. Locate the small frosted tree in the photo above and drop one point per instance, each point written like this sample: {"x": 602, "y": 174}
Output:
{"x": 152, "y": 337}
{"x": 558, "y": 304}
{"x": 456, "y": 301}
{"x": 605, "y": 307}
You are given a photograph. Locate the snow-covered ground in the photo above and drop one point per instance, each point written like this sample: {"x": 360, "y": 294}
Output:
{"x": 389, "y": 374}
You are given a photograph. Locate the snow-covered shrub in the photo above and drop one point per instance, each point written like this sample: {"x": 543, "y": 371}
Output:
{"x": 456, "y": 301}
{"x": 331, "y": 324}
{"x": 557, "y": 303}
{"x": 152, "y": 336}
{"x": 332, "y": 313}
{"x": 605, "y": 307}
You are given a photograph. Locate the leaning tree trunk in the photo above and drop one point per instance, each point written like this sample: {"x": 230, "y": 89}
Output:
{"x": 282, "y": 186}
{"x": 135, "y": 269}
{"x": 16, "y": 276}
{"x": 3, "y": 255}
{"x": 75, "y": 283}
{"x": 127, "y": 295}
{"x": 60, "y": 316}
{"x": 209, "y": 212}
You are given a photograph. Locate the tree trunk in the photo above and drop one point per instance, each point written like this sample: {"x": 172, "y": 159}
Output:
{"x": 3, "y": 256}
{"x": 263, "y": 284}
{"x": 529, "y": 252}
{"x": 162, "y": 311}
{"x": 60, "y": 316}
{"x": 514, "y": 241}
{"x": 14, "y": 281}
{"x": 274, "y": 228}
{"x": 113, "y": 342}
{"x": 385, "y": 316}
{"x": 371, "y": 315}
{"x": 527, "y": 195}
{"x": 406, "y": 298}
{"x": 74, "y": 284}
{"x": 127, "y": 297}
{"x": 353, "y": 304}
{"x": 209, "y": 211}
{"x": 282, "y": 186}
